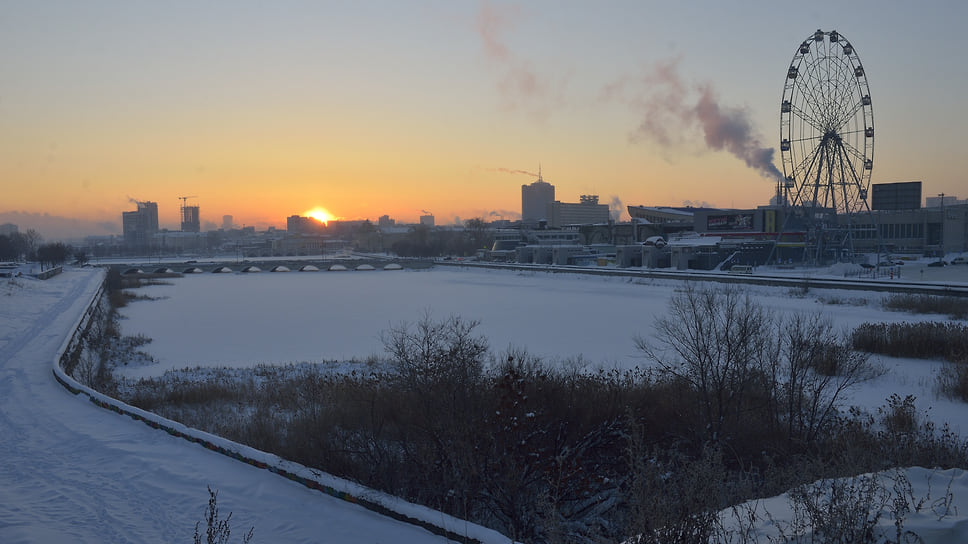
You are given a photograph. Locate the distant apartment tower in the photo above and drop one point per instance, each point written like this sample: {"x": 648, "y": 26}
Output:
{"x": 588, "y": 211}
{"x": 427, "y": 220}
{"x": 227, "y": 222}
{"x": 385, "y": 221}
{"x": 535, "y": 199}
{"x": 190, "y": 220}
{"x": 139, "y": 225}
{"x": 7, "y": 229}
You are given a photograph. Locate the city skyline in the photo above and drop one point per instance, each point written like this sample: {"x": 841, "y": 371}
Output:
{"x": 395, "y": 109}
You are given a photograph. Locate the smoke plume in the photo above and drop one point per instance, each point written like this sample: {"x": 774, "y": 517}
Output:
{"x": 730, "y": 129}
{"x": 504, "y": 214}
{"x": 672, "y": 111}
{"x": 519, "y": 83}
{"x": 514, "y": 172}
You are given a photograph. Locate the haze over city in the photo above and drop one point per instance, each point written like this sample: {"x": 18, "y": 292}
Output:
{"x": 364, "y": 109}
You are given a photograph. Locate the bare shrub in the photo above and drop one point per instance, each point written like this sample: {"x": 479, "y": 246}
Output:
{"x": 674, "y": 499}
{"x": 86, "y": 369}
{"x": 952, "y": 380}
{"x": 839, "y": 300}
{"x": 838, "y": 511}
{"x": 217, "y": 531}
{"x": 898, "y": 437}
{"x": 900, "y": 415}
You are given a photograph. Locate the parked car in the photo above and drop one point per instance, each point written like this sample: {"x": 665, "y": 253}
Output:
{"x": 959, "y": 260}
{"x": 936, "y": 263}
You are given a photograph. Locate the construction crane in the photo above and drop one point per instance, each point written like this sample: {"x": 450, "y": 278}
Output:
{"x": 189, "y": 215}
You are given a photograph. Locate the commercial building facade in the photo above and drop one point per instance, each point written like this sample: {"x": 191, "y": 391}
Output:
{"x": 587, "y": 211}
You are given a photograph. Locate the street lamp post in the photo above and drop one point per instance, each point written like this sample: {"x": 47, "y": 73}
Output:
{"x": 941, "y": 236}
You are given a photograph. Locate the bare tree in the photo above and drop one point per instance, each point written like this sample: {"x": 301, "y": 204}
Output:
{"x": 431, "y": 353}
{"x": 815, "y": 368}
{"x": 439, "y": 368}
{"x": 738, "y": 359}
{"x": 717, "y": 342}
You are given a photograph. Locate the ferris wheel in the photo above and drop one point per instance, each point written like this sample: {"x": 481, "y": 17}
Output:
{"x": 827, "y": 144}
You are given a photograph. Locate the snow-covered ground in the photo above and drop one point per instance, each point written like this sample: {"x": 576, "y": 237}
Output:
{"x": 73, "y": 472}
{"x": 70, "y": 471}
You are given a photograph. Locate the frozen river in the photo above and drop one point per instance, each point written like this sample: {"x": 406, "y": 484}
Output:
{"x": 246, "y": 319}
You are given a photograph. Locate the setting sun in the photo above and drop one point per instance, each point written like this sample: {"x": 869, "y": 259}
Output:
{"x": 320, "y": 214}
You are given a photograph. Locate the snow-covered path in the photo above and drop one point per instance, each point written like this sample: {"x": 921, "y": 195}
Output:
{"x": 73, "y": 472}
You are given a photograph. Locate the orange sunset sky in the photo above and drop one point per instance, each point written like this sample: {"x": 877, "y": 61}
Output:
{"x": 265, "y": 110}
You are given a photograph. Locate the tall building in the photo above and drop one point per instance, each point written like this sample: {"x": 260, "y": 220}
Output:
{"x": 139, "y": 225}
{"x": 190, "y": 220}
{"x": 427, "y": 220}
{"x": 227, "y": 222}
{"x": 535, "y": 199}
{"x": 588, "y": 211}
{"x": 297, "y": 224}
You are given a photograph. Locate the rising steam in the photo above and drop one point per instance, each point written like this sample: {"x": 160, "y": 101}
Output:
{"x": 671, "y": 110}
{"x": 615, "y": 209}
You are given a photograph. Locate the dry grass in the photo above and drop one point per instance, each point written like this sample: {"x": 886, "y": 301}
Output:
{"x": 925, "y": 340}
{"x": 953, "y": 307}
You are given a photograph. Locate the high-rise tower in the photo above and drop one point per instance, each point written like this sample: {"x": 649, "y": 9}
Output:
{"x": 535, "y": 199}
{"x": 140, "y": 225}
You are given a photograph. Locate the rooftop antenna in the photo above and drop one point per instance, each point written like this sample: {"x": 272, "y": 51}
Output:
{"x": 539, "y": 172}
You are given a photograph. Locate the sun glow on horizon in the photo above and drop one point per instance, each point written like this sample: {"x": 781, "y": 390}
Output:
{"x": 320, "y": 214}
